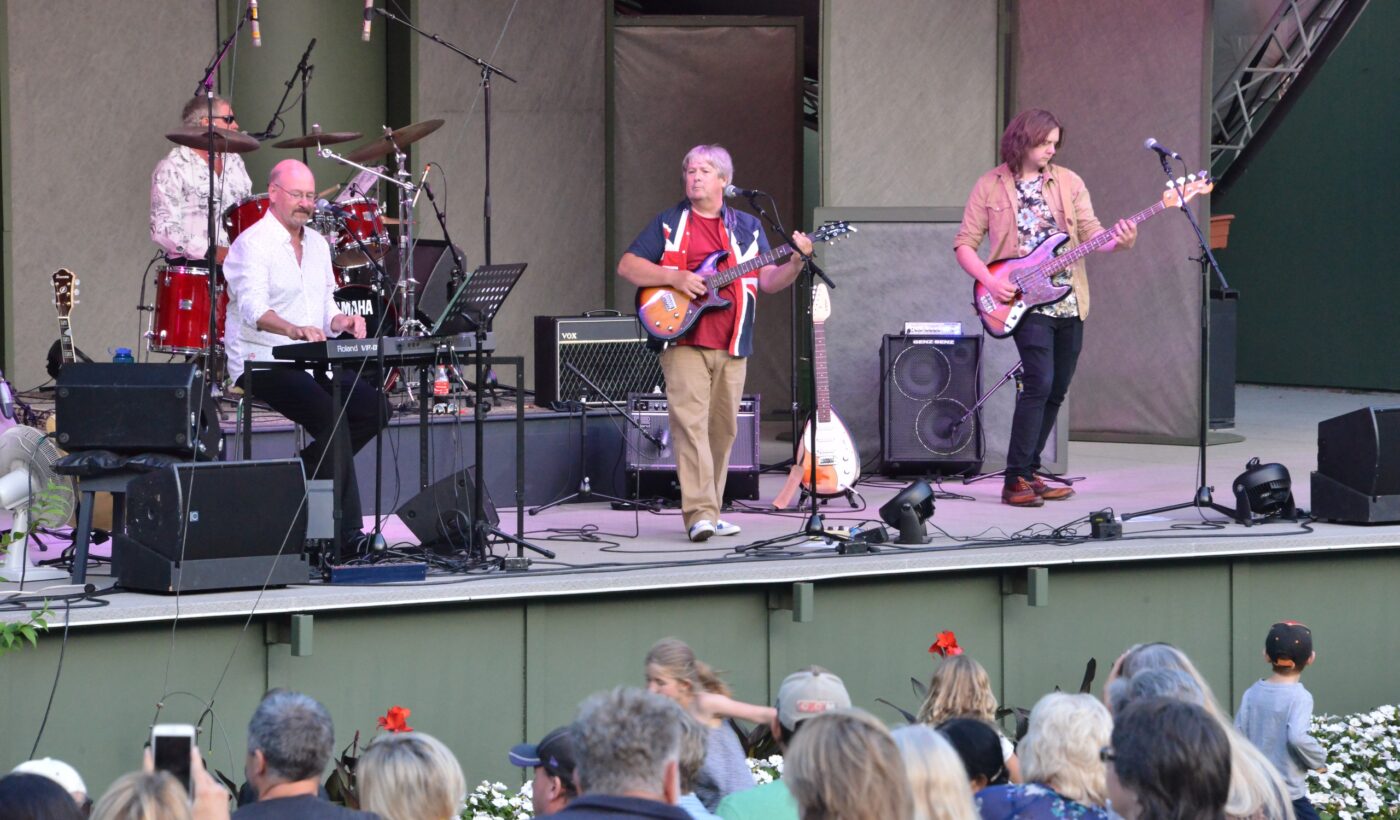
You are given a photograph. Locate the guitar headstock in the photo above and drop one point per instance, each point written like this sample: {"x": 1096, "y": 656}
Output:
{"x": 821, "y": 303}
{"x": 1184, "y": 189}
{"x": 832, "y": 231}
{"x": 65, "y": 291}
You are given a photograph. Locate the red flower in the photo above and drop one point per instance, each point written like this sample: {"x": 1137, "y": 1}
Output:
{"x": 947, "y": 644}
{"x": 396, "y": 719}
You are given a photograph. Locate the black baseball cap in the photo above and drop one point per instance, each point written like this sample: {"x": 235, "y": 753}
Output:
{"x": 555, "y": 753}
{"x": 1289, "y": 644}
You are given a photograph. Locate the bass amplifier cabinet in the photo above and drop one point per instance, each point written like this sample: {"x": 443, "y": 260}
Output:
{"x": 652, "y": 472}
{"x": 610, "y": 350}
{"x": 927, "y": 384}
{"x": 136, "y": 408}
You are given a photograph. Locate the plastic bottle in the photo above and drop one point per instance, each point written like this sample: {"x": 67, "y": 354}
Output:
{"x": 122, "y": 355}
{"x": 440, "y": 385}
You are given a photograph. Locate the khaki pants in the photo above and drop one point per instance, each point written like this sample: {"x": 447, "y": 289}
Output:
{"x": 703, "y": 389}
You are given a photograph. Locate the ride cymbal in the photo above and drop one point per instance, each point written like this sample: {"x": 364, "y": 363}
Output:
{"x": 400, "y": 137}
{"x": 225, "y": 141}
{"x": 318, "y": 138}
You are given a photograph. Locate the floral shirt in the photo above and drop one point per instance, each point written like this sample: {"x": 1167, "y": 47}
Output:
{"x": 1033, "y": 801}
{"x": 1034, "y": 224}
{"x": 179, "y": 194}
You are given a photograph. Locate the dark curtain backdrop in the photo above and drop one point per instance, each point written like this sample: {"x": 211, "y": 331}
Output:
{"x": 677, "y": 86}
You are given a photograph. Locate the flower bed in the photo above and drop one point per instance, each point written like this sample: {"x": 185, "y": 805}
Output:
{"x": 1363, "y": 765}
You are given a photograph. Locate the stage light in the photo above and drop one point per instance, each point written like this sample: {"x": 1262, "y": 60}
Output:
{"x": 1263, "y": 491}
{"x": 908, "y": 511}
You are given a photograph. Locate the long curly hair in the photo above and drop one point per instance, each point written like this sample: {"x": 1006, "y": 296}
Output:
{"x": 960, "y": 688}
{"x": 1025, "y": 131}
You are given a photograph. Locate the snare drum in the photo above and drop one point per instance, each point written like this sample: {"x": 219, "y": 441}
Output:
{"x": 362, "y": 220}
{"x": 180, "y": 323}
{"x": 240, "y": 217}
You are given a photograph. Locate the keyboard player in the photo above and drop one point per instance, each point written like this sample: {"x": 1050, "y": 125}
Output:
{"x": 280, "y": 286}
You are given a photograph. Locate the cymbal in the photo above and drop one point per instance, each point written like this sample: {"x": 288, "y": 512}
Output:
{"x": 316, "y": 138}
{"x": 225, "y": 141}
{"x": 401, "y": 137}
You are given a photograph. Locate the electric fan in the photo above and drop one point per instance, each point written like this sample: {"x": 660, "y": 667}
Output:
{"x": 26, "y": 471}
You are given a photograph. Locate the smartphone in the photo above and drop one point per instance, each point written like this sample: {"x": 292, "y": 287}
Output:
{"x": 171, "y": 744}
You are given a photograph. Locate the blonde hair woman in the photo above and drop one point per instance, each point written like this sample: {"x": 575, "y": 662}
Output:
{"x": 145, "y": 796}
{"x": 844, "y": 765}
{"x": 961, "y": 688}
{"x": 1060, "y": 762}
{"x": 937, "y": 779}
{"x": 411, "y": 776}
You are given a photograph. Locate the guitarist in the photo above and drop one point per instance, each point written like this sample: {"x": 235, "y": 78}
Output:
{"x": 1019, "y": 204}
{"x": 705, "y": 368}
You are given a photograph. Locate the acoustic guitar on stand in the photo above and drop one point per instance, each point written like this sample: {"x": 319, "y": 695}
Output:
{"x": 1032, "y": 274}
{"x": 667, "y": 313}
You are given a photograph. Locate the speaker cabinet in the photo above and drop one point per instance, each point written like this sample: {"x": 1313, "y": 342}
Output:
{"x": 136, "y": 408}
{"x": 927, "y": 385}
{"x": 610, "y": 350}
{"x": 212, "y": 526}
{"x": 441, "y": 516}
{"x": 652, "y": 471}
{"x": 1358, "y": 467}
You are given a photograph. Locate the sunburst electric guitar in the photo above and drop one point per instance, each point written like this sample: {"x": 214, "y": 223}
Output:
{"x": 667, "y": 313}
{"x": 1031, "y": 274}
{"x": 837, "y": 462}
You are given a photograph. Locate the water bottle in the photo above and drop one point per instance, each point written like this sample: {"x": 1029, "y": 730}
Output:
{"x": 122, "y": 355}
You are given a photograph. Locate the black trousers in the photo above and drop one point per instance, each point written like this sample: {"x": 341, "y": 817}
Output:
{"x": 306, "y": 400}
{"x": 1049, "y": 348}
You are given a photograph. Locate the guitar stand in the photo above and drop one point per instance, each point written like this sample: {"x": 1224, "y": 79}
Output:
{"x": 1016, "y": 371}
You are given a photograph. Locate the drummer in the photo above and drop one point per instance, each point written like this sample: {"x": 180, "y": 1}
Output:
{"x": 180, "y": 190}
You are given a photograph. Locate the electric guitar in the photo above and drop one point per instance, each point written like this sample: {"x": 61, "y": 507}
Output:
{"x": 667, "y": 313}
{"x": 838, "y": 463}
{"x": 1031, "y": 274}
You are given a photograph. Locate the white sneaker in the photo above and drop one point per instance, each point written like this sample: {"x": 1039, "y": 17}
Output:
{"x": 702, "y": 530}
{"x": 726, "y": 528}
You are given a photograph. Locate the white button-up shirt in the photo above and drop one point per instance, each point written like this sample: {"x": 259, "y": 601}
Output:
{"x": 180, "y": 194}
{"x": 263, "y": 274}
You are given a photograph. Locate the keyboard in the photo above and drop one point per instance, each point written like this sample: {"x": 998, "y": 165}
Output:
{"x": 403, "y": 350}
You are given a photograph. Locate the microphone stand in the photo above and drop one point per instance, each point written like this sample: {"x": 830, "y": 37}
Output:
{"x": 304, "y": 71}
{"x": 486, "y": 71}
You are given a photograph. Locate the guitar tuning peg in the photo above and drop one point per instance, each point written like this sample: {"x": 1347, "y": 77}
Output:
{"x": 1191, "y": 177}
{"x": 1181, "y": 180}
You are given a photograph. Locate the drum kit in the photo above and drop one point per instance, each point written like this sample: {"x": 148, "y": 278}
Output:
{"x": 353, "y": 225}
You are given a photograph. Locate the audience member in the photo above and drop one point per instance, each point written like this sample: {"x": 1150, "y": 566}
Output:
{"x": 146, "y": 795}
{"x": 673, "y": 670}
{"x": 802, "y": 696}
{"x": 290, "y": 741}
{"x": 978, "y": 744}
{"x": 25, "y": 796}
{"x": 1153, "y": 683}
{"x": 960, "y": 687}
{"x": 62, "y": 774}
{"x": 410, "y": 776}
{"x": 1170, "y": 760}
{"x": 627, "y": 743}
{"x": 552, "y": 759}
{"x": 1257, "y": 790}
{"x": 1060, "y": 760}
{"x": 937, "y": 779}
{"x": 844, "y": 765}
{"x": 693, "y": 740}
{"x": 1276, "y": 713}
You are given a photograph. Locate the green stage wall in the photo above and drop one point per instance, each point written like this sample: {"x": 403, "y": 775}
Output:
{"x": 482, "y": 676}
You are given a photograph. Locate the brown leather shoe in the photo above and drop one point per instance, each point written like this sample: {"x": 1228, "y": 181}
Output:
{"x": 1049, "y": 493}
{"x": 1020, "y": 493}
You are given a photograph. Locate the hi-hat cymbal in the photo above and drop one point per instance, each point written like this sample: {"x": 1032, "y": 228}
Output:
{"x": 316, "y": 138}
{"x": 401, "y": 137}
{"x": 225, "y": 141}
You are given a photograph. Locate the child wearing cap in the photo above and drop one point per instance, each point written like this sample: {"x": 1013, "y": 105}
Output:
{"x": 1276, "y": 713}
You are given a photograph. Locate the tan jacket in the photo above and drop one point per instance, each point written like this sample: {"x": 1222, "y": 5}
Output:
{"x": 991, "y": 210}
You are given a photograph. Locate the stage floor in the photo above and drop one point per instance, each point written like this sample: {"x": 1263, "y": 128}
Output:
{"x": 605, "y": 551}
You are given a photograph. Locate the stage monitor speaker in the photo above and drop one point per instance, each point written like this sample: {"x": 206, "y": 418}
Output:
{"x": 432, "y": 268}
{"x": 1358, "y": 467}
{"x": 201, "y": 527}
{"x": 441, "y": 516}
{"x": 137, "y": 408}
{"x": 652, "y": 472}
{"x": 610, "y": 350}
{"x": 927, "y": 384}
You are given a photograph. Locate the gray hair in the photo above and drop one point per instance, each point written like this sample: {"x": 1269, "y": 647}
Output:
{"x": 715, "y": 155}
{"x": 1164, "y": 682}
{"x": 198, "y": 108}
{"x": 294, "y": 733}
{"x": 623, "y": 740}
{"x": 1061, "y": 747}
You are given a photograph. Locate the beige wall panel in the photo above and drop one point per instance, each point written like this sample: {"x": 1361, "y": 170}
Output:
{"x": 908, "y": 100}
{"x": 547, "y": 149}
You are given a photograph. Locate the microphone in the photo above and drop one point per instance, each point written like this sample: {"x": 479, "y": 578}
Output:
{"x": 1153, "y": 145}
{"x": 7, "y": 399}
{"x": 422, "y": 183}
{"x": 732, "y": 191}
{"x": 369, "y": 15}
{"x": 253, "y": 17}
{"x": 326, "y": 206}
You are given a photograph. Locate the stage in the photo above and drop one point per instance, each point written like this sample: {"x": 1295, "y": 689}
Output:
{"x": 601, "y": 550}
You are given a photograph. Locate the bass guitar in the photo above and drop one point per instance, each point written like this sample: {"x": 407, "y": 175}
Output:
{"x": 667, "y": 313}
{"x": 1032, "y": 274}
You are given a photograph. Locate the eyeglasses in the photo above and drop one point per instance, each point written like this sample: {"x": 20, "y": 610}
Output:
{"x": 228, "y": 119}
{"x": 1106, "y": 754}
{"x": 309, "y": 196}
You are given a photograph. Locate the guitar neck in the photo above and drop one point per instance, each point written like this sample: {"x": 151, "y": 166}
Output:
{"x": 723, "y": 278}
{"x": 1098, "y": 240}
{"x": 819, "y": 368}
{"x": 65, "y": 339}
